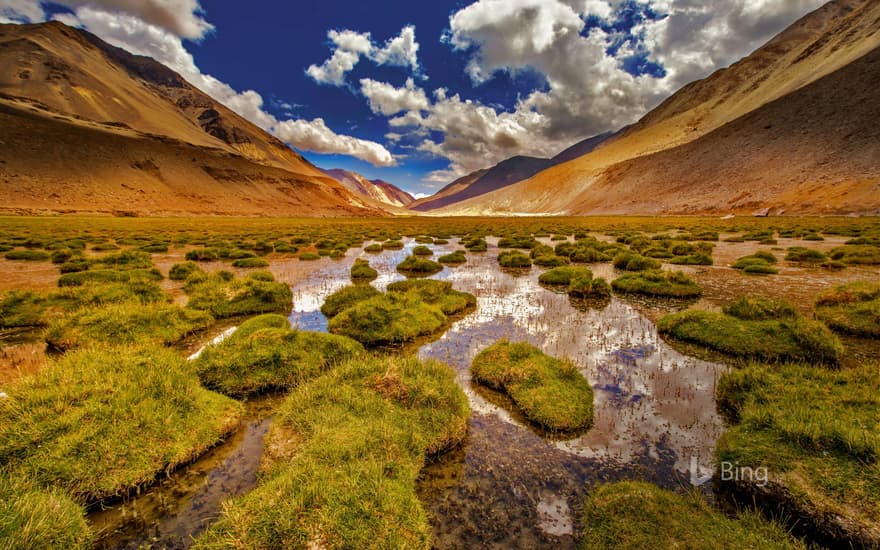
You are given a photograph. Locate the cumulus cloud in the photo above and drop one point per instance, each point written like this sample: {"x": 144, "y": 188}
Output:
{"x": 20, "y": 11}
{"x": 388, "y": 100}
{"x": 349, "y": 46}
{"x": 148, "y": 30}
{"x": 588, "y": 88}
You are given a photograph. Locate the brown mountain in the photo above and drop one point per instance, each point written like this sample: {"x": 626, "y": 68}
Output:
{"x": 88, "y": 127}
{"x": 378, "y": 190}
{"x": 789, "y": 127}
{"x": 506, "y": 172}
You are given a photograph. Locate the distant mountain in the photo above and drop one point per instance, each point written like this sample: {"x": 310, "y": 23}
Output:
{"x": 792, "y": 127}
{"x": 88, "y": 127}
{"x": 379, "y": 190}
{"x": 506, "y": 172}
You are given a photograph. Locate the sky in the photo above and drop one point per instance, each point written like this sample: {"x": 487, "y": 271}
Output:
{"x": 421, "y": 93}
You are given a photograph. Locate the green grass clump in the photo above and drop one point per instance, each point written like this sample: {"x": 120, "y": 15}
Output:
{"x": 457, "y": 257}
{"x": 853, "y": 308}
{"x": 550, "y": 392}
{"x": 392, "y": 245}
{"x": 816, "y": 433}
{"x": 551, "y": 260}
{"x": 28, "y": 255}
{"x": 387, "y": 319}
{"x": 250, "y": 263}
{"x": 804, "y": 255}
{"x": 478, "y": 244}
{"x": 563, "y": 275}
{"x": 512, "y": 259}
{"x": 373, "y": 248}
{"x": 202, "y": 255}
{"x": 693, "y": 259}
{"x": 629, "y": 261}
{"x": 181, "y": 271}
{"x": 344, "y": 452}
{"x": 126, "y": 322}
{"x": 413, "y": 265}
{"x": 642, "y": 516}
{"x": 362, "y": 272}
{"x": 759, "y": 263}
{"x": 127, "y": 259}
{"x": 438, "y": 293}
{"x": 308, "y": 256}
{"x": 103, "y": 421}
{"x": 766, "y": 331}
{"x": 25, "y": 308}
{"x": 672, "y": 284}
{"x": 584, "y": 286}
{"x": 856, "y": 254}
{"x": 32, "y": 517}
{"x": 422, "y": 250}
{"x": 347, "y": 297}
{"x": 222, "y": 295}
{"x": 266, "y": 354}
{"x": 80, "y": 278}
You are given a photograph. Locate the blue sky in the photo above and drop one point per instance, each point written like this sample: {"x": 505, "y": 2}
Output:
{"x": 419, "y": 93}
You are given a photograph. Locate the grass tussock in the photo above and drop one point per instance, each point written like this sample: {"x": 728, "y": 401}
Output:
{"x": 453, "y": 258}
{"x": 856, "y": 254}
{"x": 33, "y": 517}
{"x": 222, "y": 295}
{"x": 345, "y": 451}
{"x": 756, "y": 328}
{"x": 80, "y": 278}
{"x": 671, "y": 284}
{"x": 550, "y": 392}
{"x": 28, "y": 255}
{"x": 629, "y": 261}
{"x": 816, "y": 432}
{"x": 362, "y": 272}
{"x": 853, "y": 309}
{"x": 408, "y": 310}
{"x": 265, "y": 353}
{"x": 759, "y": 263}
{"x": 642, "y": 516}
{"x": 25, "y": 308}
{"x": 513, "y": 259}
{"x": 250, "y": 263}
{"x": 182, "y": 271}
{"x": 105, "y": 420}
{"x": 414, "y": 265}
{"x": 125, "y": 322}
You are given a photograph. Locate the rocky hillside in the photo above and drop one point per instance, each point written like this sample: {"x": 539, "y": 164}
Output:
{"x": 378, "y": 190}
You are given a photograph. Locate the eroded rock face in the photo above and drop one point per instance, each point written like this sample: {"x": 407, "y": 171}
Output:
{"x": 212, "y": 122}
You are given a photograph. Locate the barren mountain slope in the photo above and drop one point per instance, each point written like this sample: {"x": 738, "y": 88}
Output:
{"x": 815, "y": 46}
{"x": 378, "y": 190}
{"x": 63, "y": 88}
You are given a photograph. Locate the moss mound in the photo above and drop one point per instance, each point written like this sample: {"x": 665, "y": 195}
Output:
{"x": 853, "y": 309}
{"x": 32, "y": 517}
{"x": 550, "y": 392}
{"x": 759, "y": 263}
{"x": 105, "y": 420}
{"x": 347, "y": 297}
{"x": 266, "y": 354}
{"x": 630, "y": 261}
{"x": 414, "y": 265}
{"x": 457, "y": 257}
{"x": 816, "y": 433}
{"x": 438, "y": 293}
{"x": 222, "y": 295}
{"x": 563, "y": 275}
{"x": 632, "y": 514}
{"x": 756, "y": 329}
{"x": 422, "y": 250}
{"x": 346, "y": 449}
{"x": 127, "y": 322}
{"x": 513, "y": 259}
{"x": 672, "y": 284}
{"x": 362, "y": 272}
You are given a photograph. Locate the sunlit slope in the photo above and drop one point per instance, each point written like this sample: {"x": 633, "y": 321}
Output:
{"x": 815, "y": 47}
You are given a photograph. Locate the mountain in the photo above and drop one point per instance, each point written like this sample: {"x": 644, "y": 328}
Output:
{"x": 379, "y": 190}
{"x": 88, "y": 127}
{"x": 506, "y": 172}
{"x": 788, "y": 128}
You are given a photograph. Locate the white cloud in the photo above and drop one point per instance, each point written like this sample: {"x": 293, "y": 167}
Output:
{"x": 588, "y": 91}
{"x": 133, "y": 32}
{"x": 20, "y": 11}
{"x": 181, "y": 17}
{"x": 349, "y": 46}
{"x": 316, "y": 136}
{"x": 388, "y": 100}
